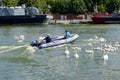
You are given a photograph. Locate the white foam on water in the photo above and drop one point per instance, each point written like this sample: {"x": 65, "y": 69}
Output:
{"x": 4, "y": 49}
{"x": 28, "y": 50}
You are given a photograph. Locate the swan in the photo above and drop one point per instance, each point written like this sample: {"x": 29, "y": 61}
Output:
{"x": 90, "y": 50}
{"x": 66, "y": 51}
{"x": 75, "y": 49}
{"x": 102, "y": 39}
{"x": 96, "y": 37}
{"x": 105, "y": 57}
{"x": 76, "y": 55}
{"x": 19, "y": 38}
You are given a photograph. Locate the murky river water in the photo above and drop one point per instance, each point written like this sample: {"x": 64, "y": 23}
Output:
{"x": 19, "y": 61}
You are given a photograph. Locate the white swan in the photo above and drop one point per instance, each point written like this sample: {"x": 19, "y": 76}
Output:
{"x": 76, "y": 55}
{"x": 66, "y": 51}
{"x": 105, "y": 57}
{"x": 96, "y": 37}
{"x": 75, "y": 49}
{"x": 90, "y": 50}
{"x": 19, "y": 38}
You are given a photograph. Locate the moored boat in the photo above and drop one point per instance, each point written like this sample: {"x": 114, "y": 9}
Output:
{"x": 22, "y": 15}
{"x": 106, "y": 18}
{"x": 56, "y": 41}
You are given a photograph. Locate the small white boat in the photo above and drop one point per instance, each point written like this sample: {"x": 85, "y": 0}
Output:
{"x": 56, "y": 41}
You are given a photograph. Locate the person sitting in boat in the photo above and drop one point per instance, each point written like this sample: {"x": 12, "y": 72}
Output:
{"x": 48, "y": 39}
{"x": 67, "y": 35}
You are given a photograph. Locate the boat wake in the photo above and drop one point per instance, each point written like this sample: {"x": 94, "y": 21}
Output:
{"x": 29, "y": 49}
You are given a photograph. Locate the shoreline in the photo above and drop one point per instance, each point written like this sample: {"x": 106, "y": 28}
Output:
{"x": 74, "y": 21}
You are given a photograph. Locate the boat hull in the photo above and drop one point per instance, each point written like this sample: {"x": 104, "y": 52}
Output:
{"x": 57, "y": 42}
{"x": 105, "y": 19}
{"x": 24, "y": 19}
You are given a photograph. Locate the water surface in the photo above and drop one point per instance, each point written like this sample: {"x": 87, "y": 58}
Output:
{"x": 52, "y": 64}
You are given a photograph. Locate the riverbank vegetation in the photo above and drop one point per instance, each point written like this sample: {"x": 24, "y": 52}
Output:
{"x": 69, "y": 6}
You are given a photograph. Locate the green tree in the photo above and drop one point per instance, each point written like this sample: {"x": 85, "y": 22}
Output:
{"x": 67, "y": 6}
{"x": 113, "y": 5}
{"x": 77, "y": 7}
{"x": 41, "y": 4}
{"x": 10, "y": 3}
{"x": 91, "y": 4}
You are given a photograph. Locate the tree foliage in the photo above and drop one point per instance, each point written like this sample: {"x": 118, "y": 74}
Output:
{"x": 10, "y": 3}
{"x": 113, "y": 5}
{"x": 68, "y": 6}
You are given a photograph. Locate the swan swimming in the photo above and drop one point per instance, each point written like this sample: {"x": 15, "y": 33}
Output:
{"x": 67, "y": 51}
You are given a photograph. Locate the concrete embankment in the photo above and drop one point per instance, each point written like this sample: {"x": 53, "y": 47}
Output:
{"x": 85, "y": 21}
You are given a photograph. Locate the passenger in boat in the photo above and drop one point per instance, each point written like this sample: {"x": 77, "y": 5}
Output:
{"x": 67, "y": 34}
{"x": 47, "y": 39}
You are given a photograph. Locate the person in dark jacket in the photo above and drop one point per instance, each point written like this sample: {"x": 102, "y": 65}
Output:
{"x": 48, "y": 38}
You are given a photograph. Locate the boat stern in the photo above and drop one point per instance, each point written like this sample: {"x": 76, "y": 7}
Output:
{"x": 48, "y": 18}
{"x": 34, "y": 43}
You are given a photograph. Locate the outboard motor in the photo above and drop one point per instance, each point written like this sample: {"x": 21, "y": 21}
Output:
{"x": 34, "y": 43}
{"x": 37, "y": 42}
